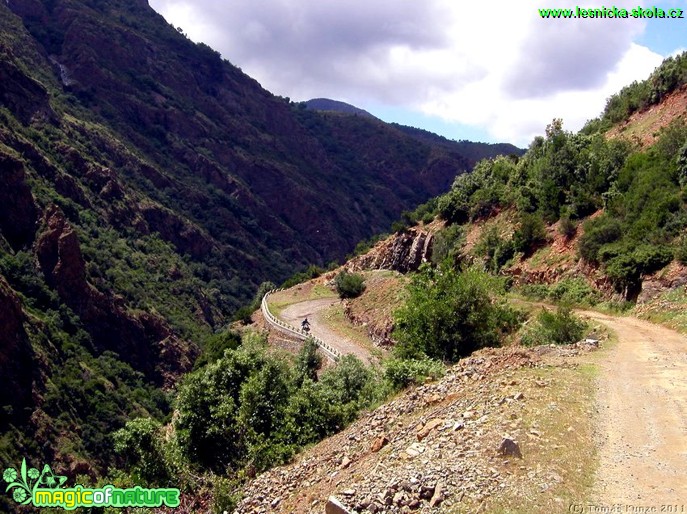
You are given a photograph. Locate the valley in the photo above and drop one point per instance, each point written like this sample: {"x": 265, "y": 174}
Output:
{"x": 503, "y": 328}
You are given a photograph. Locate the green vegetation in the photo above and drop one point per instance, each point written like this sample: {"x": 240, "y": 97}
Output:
{"x": 349, "y": 285}
{"x": 567, "y": 177}
{"x": 495, "y": 249}
{"x": 447, "y": 244}
{"x": 668, "y": 77}
{"x": 401, "y": 373}
{"x": 244, "y": 313}
{"x": 571, "y": 291}
{"x": 451, "y": 313}
{"x": 249, "y": 410}
{"x": 560, "y": 327}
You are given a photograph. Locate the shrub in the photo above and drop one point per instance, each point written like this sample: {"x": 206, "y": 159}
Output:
{"x": 495, "y": 249}
{"x": 450, "y": 314}
{"x": 308, "y": 361}
{"x": 349, "y": 285}
{"x": 574, "y": 291}
{"x": 215, "y": 345}
{"x": 530, "y": 234}
{"x": 626, "y": 269}
{"x": 534, "y": 291}
{"x": 244, "y": 314}
{"x": 567, "y": 227}
{"x": 402, "y": 373}
{"x": 140, "y": 445}
{"x": 447, "y": 243}
{"x": 560, "y": 327}
{"x": 681, "y": 251}
{"x": 598, "y": 232}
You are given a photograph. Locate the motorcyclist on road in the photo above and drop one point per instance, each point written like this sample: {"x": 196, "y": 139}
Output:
{"x": 305, "y": 325}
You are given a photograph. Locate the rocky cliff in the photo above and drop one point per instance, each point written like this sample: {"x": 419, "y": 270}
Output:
{"x": 403, "y": 252}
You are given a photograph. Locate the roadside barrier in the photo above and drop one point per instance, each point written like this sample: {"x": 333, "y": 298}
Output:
{"x": 285, "y": 328}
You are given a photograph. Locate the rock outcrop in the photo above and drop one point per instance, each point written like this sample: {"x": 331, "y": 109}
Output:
{"x": 18, "y": 213}
{"x": 24, "y": 97}
{"x": 145, "y": 340}
{"x": 403, "y": 252}
{"x": 672, "y": 277}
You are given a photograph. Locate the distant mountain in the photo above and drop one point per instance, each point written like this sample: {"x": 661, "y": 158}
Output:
{"x": 325, "y": 104}
{"x": 469, "y": 149}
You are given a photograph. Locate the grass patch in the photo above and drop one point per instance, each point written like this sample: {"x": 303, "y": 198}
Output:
{"x": 300, "y": 293}
{"x": 337, "y": 321}
{"x": 556, "y": 437}
{"x": 669, "y": 309}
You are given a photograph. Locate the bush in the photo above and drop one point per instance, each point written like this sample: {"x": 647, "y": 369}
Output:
{"x": 447, "y": 244}
{"x": 140, "y": 445}
{"x": 681, "y": 250}
{"x": 244, "y": 314}
{"x": 574, "y": 291}
{"x": 627, "y": 268}
{"x": 530, "y": 234}
{"x": 495, "y": 249}
{"x": 598, "y": 232}
{"x": 308, "y": 361}
{"x": 349, "y": 285}
{"x": 450, "y": 314}
{"x": 215, "y": 345}
{"x": 567, "y": 227}
{"x": 560, "y": 327}
{"x": 402, "y": 373}
{"x": 534, "y": 291}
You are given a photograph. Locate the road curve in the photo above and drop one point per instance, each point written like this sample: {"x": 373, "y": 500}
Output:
{"x": 313, "y": 310}
{"x": 642, "y": 417}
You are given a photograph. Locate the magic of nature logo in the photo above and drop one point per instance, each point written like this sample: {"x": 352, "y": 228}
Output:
{"x": 30, "y": 486}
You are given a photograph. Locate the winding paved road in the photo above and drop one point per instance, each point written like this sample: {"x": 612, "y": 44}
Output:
{"x": 313, "y": 310}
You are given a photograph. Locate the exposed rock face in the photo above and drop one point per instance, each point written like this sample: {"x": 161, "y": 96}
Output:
{"x": 672, "y": 277}
{"x": 16, "y": 357}
{"x": 23, "y": 96}
{"x": 18, "y": 211}
{"x": 145, "y": 341}
{"x": 404, "y": 252}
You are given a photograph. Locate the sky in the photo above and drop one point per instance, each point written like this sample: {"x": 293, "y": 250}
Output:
{"x": 494, "y": 72}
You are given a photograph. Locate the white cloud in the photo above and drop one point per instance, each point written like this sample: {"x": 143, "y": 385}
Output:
{"x": 498, "y": 66}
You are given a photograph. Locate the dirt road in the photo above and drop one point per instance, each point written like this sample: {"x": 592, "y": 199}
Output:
{"x": 642, "y": 414}
{"x": 313, "y": 310}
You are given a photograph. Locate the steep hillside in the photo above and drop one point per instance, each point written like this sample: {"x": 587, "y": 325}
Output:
{"x": 440, "y": 447}
{"x": 148, "y": 187}
{"x": 643, "y": 127}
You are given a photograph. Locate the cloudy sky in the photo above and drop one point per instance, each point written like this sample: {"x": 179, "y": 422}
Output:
{"x": 490, "y": 71}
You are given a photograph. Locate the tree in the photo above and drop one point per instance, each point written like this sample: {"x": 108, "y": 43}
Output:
{"x": 208, "y": 402}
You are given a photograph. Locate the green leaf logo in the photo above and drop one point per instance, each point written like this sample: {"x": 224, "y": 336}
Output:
{"x": 24, "y": 482}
